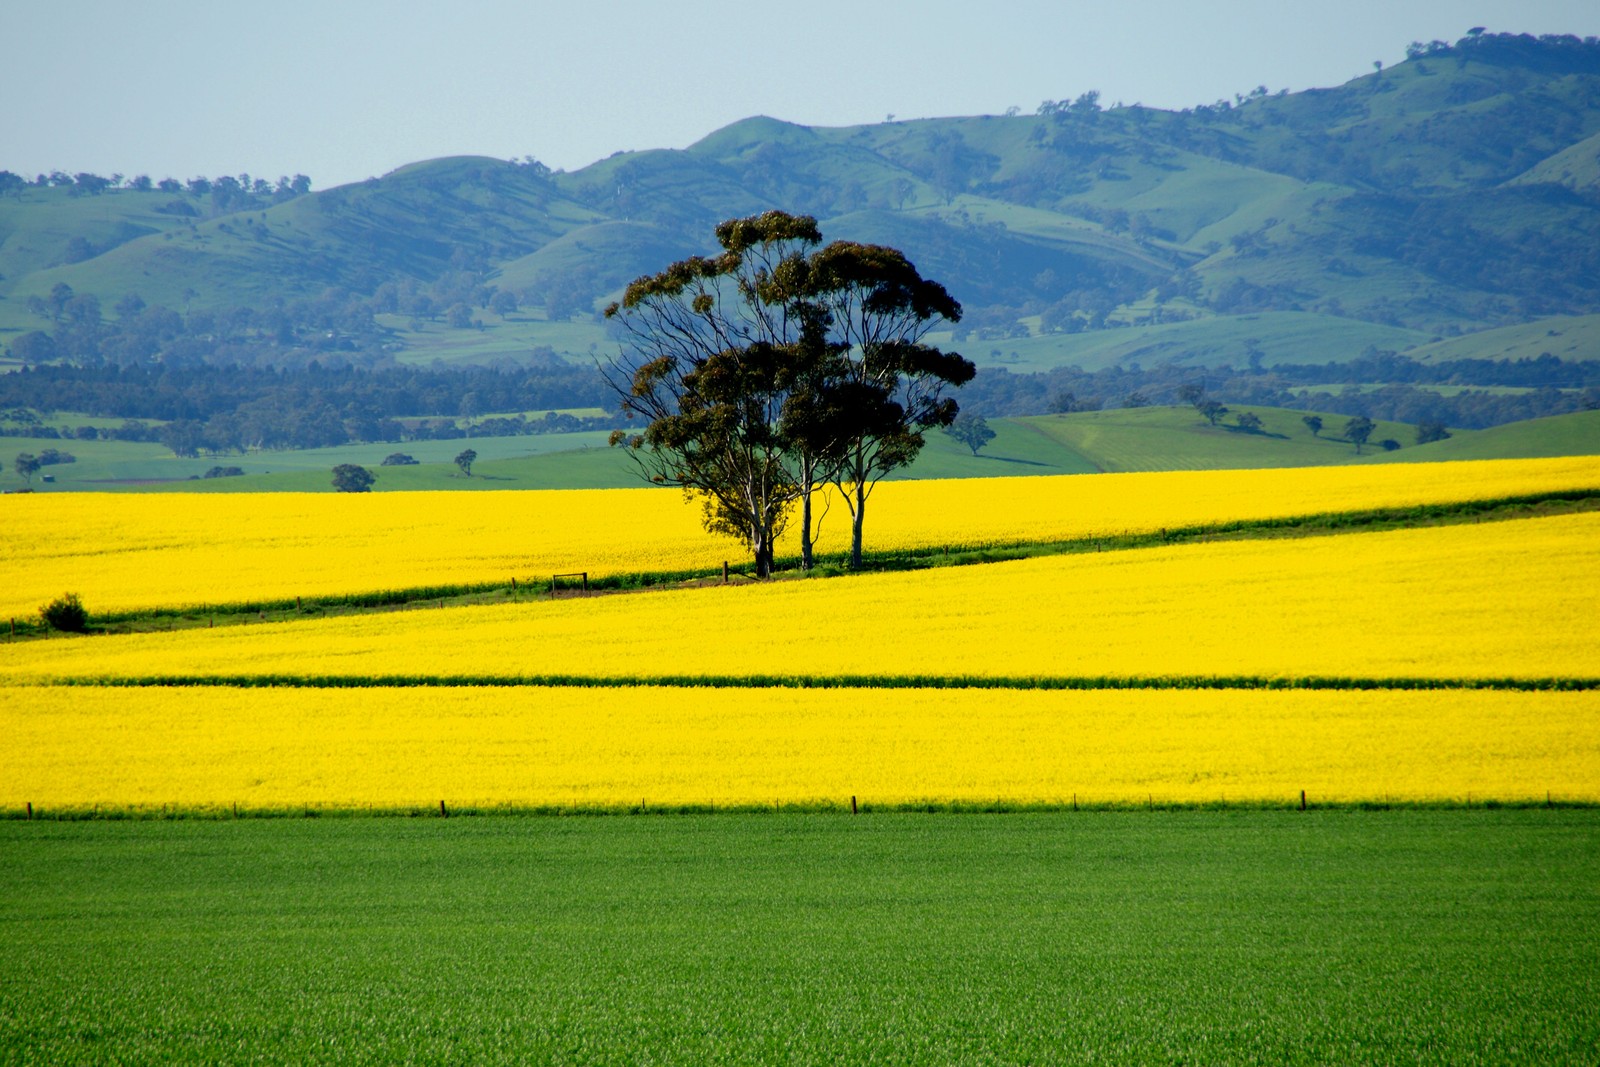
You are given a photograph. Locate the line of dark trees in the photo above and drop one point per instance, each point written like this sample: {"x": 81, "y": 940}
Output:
{"x": 222, "y": 195}
{"x": 1558, "y": 387}
{"x": 230, "y": 408}
{"x": 337, "y": 325}
{"x": 160, "y": 391}
{"x": 227, "y": 408}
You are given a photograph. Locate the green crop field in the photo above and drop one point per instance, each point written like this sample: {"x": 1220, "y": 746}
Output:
{"x": 1457, "y": 937}
{"x": 1123, "y": 439}
{"x": 574, "y": 460}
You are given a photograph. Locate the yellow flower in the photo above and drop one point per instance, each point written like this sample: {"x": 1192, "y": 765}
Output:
{"x": 412, "y": 747}
{"x": 126, "y": 552}
{"x": 1503, "y": 599}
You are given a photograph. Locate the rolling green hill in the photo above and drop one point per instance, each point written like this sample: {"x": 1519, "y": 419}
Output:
{"x": 1572, "y": 337}
{"x": 1429, "y": 207}
{"x": 1577, "y": 434}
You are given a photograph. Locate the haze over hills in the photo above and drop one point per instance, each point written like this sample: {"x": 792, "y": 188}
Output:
{"x": 1447, "y": 208}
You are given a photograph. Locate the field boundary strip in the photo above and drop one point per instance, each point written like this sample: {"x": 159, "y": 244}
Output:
{"x": 1081, "y": 804}
{"x": 840, "y": 681}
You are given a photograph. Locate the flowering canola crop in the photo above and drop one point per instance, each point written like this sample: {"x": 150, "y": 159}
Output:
{"x": 386, "y": 747}
{"x": 124, "y": 552}
{"x": 1503, "y": 599}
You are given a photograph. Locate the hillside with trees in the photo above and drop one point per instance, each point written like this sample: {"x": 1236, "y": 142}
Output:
{"x": 1445, "y": 209}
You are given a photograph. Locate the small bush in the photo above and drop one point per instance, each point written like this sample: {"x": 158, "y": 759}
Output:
{"x": 65, "y": 613}
{"x": 352, "y": 478}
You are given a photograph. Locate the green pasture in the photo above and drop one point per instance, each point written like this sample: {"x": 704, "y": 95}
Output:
{"x": 1123, "y": 439}
{"x": 575, "y": 460}
{"x": 1179, "y": 438}
{"x": 1567, "y": 337}
{"x": 1443, "y": 937}
{"x": 1574, "y": 434}
{"x": 37, "y": 224}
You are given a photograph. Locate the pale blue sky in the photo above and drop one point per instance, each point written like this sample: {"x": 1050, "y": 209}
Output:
{"x": 346, "y": 89}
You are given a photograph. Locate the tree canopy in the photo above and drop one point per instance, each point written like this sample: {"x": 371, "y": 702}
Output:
{"x": 776, "y": 367}
{"x": 353, "y": 478}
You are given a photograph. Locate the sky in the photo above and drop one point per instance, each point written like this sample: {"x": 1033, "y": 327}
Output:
{"x": 344, "y": 90}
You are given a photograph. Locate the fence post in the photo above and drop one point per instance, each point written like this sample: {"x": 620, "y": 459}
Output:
{"x": 585, "y": 581}
{"x": 853, "y": 810}
{"x": 30, "y": 811}
{"x": 1302, "y": 800}
{"x": 724, "y": 572}
{"x": 443, "y": 814}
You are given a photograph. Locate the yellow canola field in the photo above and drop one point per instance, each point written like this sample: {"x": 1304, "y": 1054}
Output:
{"x": 1515, "y": 598}
{"x": 125, "y": 552}
{"x": 282, "y": 748}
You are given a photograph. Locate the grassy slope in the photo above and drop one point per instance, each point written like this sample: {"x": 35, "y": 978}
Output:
{"x": 1577, "y": 167}
{"x": 1162, "y": 438}
{"x": 1575, "y": 434}
{"x": 407, "y": 224}
{"x": 36, "y": 226}
{"x": 1266, "y": 937}
{"x": 1569, "y": 337}
{"x": 1177, "y": 438}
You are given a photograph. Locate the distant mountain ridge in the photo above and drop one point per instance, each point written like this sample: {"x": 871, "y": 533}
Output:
{"x": 1457, "y": 193}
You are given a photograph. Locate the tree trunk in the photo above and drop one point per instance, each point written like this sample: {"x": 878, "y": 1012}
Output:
{"x": 858, "y": 514}
{"x": 761, "y": 547}
{"x": 805, "y": 529}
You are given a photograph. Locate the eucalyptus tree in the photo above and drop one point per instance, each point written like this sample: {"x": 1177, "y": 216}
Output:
{"x": 878, "y": 309}
{"x": 717, "y": 346}
{"x": 776, "y": 367}
{"x": 1357, "y": 430}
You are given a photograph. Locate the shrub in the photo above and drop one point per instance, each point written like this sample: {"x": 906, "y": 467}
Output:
{"x": 399, "y": 459}
{"x": 352, "y": 478}
{"x": 65, "y": 613}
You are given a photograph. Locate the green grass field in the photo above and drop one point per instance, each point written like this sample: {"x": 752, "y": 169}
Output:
{"x": 1246, "y": 937}
{"x": 1178, "y": 438}
{"x": 1124, "y": 439}
{"x": 1569, "y": 337}
{"x": 1574, "y": 434}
